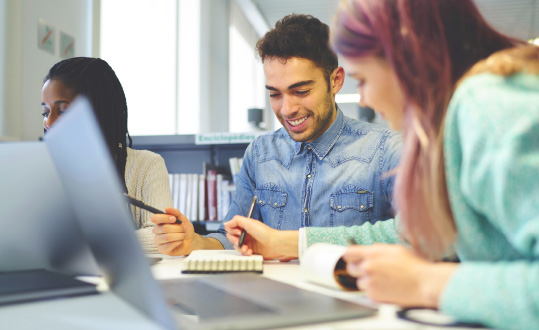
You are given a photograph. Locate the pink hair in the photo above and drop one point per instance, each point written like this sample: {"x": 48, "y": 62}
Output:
{"x": 430, "y": 44}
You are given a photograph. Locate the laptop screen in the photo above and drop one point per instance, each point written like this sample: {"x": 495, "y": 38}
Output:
{"x": 39, "y": 229}
{"x": 88, "y": 175}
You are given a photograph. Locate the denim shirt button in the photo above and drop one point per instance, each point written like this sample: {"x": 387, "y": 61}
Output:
{"x": 274, "y": 204}
{"x": 339, "y": 207}
{"x": 308, "y": 175}
{"x": 362, "y": 206}
{"x": 305, "y": 210}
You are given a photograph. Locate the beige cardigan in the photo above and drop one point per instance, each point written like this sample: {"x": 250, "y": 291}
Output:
{"x": 146, "y": 178}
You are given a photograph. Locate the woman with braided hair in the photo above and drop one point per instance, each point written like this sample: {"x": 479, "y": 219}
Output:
{"x": 143, "y": 173}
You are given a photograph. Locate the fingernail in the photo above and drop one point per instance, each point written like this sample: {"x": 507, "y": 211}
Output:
{"x": 173, "y": 219}
{"x": 352, "y": 269}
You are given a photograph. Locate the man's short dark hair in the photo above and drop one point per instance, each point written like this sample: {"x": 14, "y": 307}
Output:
{"x": 302, "y": 36}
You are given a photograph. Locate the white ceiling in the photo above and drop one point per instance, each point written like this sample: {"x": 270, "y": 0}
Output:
{"x": 517, "y": 18}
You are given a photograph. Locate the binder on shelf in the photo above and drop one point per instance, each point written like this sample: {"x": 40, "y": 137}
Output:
{"x": 225, "y": 192}
{"x": 235, "y": 165}
{"x": 202, "y": 197}
{"x": 189, "y": 197}
{"x": 211, "y": 190}
{"x": 219, "y": 195}
{"x": 193, "y": 194}
{"x": 182, "y": 196}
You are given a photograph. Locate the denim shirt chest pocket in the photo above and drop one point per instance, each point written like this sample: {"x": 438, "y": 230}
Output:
{"x": 351, "y": 205}
{"x": 271, "y": 202}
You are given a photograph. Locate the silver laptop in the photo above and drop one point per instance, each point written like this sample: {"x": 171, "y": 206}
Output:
{"x": 39, "y": 230}
{"x": 230, "y": 301}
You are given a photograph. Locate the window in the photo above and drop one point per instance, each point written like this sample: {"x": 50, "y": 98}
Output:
{"x": 156, "y": 53}
{"x": 139, "y": 40}
{"x": 188, "y": 119}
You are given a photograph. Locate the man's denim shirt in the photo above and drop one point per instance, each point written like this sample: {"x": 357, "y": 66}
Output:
{"x": 339, "y": 179}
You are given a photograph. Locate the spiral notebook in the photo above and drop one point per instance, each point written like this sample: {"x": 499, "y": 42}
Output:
{"x": 221, "y": 261}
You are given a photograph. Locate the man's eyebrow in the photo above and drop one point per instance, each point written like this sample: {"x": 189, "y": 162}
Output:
{"x": 296, "y": 85}
{"x": 301, "y": 83}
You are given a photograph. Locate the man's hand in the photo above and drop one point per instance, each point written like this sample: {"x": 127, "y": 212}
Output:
{"x": 261, "y": 239}
{"x": 172, "y": 238}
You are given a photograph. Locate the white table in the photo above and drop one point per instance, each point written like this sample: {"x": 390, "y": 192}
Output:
{"x": 289, "y": 272}
{"x": 107, "y": 311}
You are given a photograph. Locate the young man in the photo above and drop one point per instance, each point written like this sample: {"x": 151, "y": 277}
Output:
{"x": 321, "y": 169}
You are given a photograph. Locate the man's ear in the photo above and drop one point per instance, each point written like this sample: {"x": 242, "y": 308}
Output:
{"x": 336, "y": 80}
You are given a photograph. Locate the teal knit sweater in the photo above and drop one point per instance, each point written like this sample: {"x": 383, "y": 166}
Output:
{"x": 491, "y": 149}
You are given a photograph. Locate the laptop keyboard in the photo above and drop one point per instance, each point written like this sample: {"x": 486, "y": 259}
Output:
{"x": 250, "y": 301}
{"x": 193, "y": 297}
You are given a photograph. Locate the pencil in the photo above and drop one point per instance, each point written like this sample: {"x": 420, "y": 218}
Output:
{"x": 143, "y": 206}
{"x": 242, "y": 236}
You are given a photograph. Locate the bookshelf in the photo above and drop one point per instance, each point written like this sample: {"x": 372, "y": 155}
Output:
{"x": 183, "y": 155}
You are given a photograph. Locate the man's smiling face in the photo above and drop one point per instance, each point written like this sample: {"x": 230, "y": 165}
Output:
{"x": 300, "y": 96}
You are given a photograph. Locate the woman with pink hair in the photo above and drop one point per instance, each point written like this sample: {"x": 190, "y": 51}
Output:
{"x": 467, "y": 100}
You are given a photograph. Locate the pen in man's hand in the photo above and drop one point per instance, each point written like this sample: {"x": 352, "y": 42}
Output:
{"x": 143, "y": 206}
{"x": 242, "y": 236}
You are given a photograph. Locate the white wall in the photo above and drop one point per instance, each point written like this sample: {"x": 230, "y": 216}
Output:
{"x": 10, "y": 78}
{"x": 24, "y": 64}
{"x": 246, "y": 76}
